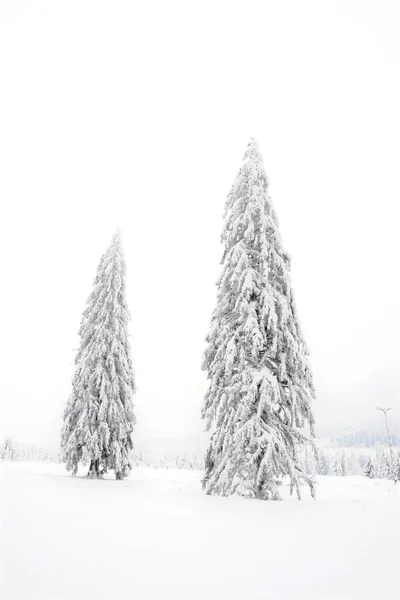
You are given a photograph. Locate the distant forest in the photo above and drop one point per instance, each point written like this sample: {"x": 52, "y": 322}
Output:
{"x": 369, "y": 435}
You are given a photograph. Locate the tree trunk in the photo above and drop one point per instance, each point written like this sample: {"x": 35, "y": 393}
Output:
{"x": 94, "y": 469}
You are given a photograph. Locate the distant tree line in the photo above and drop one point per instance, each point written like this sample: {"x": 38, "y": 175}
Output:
{"x": 368, "y": 437}
{"x": 319, "y": 461}
{"x": 330, "y": 461}
{"x": 384, "y": 469}
{"x": 12, "y": 451}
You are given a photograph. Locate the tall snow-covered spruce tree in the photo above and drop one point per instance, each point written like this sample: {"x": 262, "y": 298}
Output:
{"x": 99, "y": 416}
{"x": 259, "y": 398}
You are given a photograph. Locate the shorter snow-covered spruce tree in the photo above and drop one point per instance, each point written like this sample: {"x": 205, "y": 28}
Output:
{"x": 258, "y": 404}
{"x": 322, "y": 464}
{"x": 336, "y": 470}
{"x": 343, "y": 463}
{"x": 99, "y": 417}
{"x": 369, "y": 469}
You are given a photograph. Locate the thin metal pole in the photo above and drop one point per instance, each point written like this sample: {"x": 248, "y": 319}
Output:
{"x": 392, "y": 465}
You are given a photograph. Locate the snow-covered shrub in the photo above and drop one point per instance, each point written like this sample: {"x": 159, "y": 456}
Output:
{"x": 369, "y": 469}
{"x": 384, "y": 471}
{"x": 8, "y": 450}
{"x": 322, "y": 464}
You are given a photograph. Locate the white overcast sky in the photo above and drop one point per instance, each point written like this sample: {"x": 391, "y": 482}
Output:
{"x": 137, "y": 114}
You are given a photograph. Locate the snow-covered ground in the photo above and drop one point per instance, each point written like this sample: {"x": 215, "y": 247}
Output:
{"x": 157, "y": 535}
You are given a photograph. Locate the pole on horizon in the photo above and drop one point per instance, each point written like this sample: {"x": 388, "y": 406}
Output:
{"x": 392, "y": 465}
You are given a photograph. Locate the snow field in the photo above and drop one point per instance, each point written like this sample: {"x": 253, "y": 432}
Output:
{"x": 157, "y": 535}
